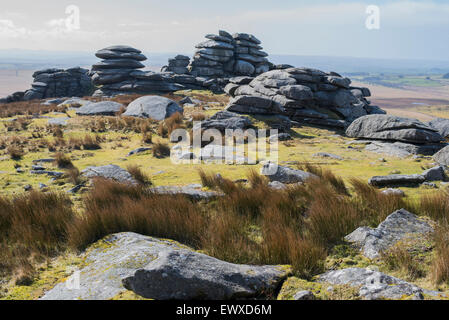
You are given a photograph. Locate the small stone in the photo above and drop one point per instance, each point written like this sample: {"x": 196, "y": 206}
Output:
{"x": 304, "y": 295}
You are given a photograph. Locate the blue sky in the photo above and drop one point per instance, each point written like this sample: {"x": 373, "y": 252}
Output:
{"x": 415, "y": 29}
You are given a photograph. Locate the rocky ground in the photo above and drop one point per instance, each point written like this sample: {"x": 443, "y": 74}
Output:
{"x": 67, "y": 142}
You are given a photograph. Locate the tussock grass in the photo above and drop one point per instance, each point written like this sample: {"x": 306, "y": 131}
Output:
{"x": 63, "y": 161}
{"x": 32, "y": 226}
{"x": 440, "y": 265}
{"x": 139, "y": 175}
{"x": 112, "y": 207}
{"x": 161, "y": 150}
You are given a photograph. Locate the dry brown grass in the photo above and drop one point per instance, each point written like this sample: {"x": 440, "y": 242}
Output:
{"x": 436, "y": 206}
{"x": 139, "y": 175}
{"x": 27, "y": 108}
{"x": 15, "y": 152}
{"x": 161, "y": 150}
{"x": 32, "y": 226}
{"x": 400, "y": 258}
{"x": 63, "y": 161}
{"x": 113, "y": 207}
{"x": 440, "y": 265}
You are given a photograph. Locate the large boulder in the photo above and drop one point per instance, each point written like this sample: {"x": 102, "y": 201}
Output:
{"x": 392, "y": 128}
{"x": 103, "y": 108}
{"x": 164, "y": 270}
{"x": 154, "y": 107}
{"x": 398, "y": 226}
{"x": 375, "y": 285}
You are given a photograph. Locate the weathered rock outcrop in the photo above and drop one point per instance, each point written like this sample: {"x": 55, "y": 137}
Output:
{"x": 52, "y": 83}
{"x": 398, "y": 226}
{"x": 305, "y": 95}
{"x": 177, "y": 65}
{"x": 375, "y": 285}
{"x": 164, "y": 270}
{"x": 226, "y": 55}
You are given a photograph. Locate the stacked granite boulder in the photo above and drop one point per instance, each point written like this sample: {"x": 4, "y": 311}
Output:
{"x": 226, "y": 55}
{"x": 52, "y": 83}
{"x": 304, "y": 95}
{"x": 177, "y": 65}
{"x": 119, "y": 73}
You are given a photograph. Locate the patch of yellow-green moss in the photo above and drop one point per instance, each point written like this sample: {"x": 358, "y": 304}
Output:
{"x": 128, "y": 296}
{"x": 47, "y": 276}
{"x": 339, "y": 292}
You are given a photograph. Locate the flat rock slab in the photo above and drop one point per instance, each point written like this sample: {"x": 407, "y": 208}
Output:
{"x": 398, "y": 226}
{"x": 111, "y": 171}
{"x": 375, "y": 285}
{"x": 103, "y": 108}
{"x": 58, "y": 121}
{"x": 188, "y": 191}
{"x": 154, "y": 107}
{"x": 397, "y": 180}
{"x": 164, "y": 270}
{"x": 401, "y": 149}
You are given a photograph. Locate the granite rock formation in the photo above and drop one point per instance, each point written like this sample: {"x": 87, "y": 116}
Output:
{"x": 304, "y": 95}
{"x": 226, "y": 55}
{"x": 52, "y": 83}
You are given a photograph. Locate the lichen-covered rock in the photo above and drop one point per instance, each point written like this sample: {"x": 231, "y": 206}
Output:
{"x": 111, "y": 171}
{"x": 398, "y": 226}
{"x": 226, "y": 120}
{"x": 441, "y": 125}
{"x": 164, "y": 270}
{"x": 154, "y": 107}
{"x": 442, "y": 156}
{"x": 435, "y": 174}
{"x": 103, "y": 108}
{"x": 392, "y": 128}
{"x": 397, "y": 180}
{"x": 375, "y": 285}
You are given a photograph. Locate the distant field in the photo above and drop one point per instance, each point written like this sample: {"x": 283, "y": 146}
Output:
{"x": 10, "y": 81}
{"x": 399, "y": 81}
{"x": 423, "y": 103}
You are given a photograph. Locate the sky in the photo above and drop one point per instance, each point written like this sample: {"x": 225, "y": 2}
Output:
{"x": 415, "y": 29}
